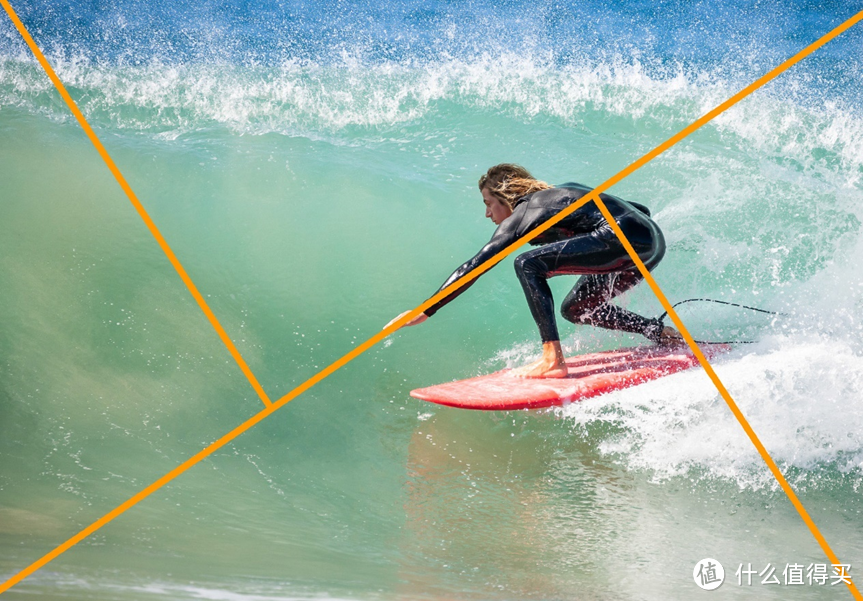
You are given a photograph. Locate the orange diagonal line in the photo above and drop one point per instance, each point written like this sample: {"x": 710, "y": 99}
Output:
{"x": 136, "y": 203}
{"x": 593, "y": 195}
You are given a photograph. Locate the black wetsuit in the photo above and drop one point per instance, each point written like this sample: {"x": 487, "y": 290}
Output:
{"x": 580, "y": 244}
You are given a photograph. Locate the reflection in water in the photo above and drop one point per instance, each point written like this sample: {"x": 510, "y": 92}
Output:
{"x": 492, "y": 504}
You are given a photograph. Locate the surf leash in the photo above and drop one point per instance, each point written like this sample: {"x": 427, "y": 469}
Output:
{"x": 721, "y": 302}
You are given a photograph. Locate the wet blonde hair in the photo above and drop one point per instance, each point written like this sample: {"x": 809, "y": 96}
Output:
{"x": 508, "y": 182}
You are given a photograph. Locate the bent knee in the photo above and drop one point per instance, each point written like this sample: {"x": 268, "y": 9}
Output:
{"x": 527, "y": 265}
{"x": 576, "y": 313}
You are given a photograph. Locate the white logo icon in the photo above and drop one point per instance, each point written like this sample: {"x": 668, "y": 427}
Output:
{"x": 708, "y": 574}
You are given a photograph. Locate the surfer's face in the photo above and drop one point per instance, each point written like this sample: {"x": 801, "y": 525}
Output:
{"x": 495, "y": 209}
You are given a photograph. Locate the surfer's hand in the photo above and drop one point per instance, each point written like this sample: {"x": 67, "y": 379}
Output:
{"x": 415, "y": 321}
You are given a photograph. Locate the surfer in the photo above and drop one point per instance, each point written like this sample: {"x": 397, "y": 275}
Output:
{"x": 581, "y": 244}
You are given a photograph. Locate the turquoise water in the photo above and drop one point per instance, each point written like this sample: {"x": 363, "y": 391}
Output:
{"x": 314, "y": 197}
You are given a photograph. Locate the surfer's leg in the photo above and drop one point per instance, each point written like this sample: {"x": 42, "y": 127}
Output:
{"x": 600, "y": 255}
{"x": 588, "y": 303}
{"x": 533, "y": 269}
{"x": 608, "y": 272}
{"x": 586, "y": 253}
{"x": 583, "y": 254}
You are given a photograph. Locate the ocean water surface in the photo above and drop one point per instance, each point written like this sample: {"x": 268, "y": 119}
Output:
{"x": 314, "y": 168}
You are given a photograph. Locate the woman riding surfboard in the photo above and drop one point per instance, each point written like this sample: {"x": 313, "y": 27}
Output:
{"x": 580, "y": 244}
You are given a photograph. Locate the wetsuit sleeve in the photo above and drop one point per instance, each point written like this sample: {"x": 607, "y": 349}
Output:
{"x": 505, "y": 235}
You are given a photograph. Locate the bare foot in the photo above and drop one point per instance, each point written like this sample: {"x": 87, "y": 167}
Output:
{"x": 551, "y": 365}
{"x": 540, "y": 369}
{"x": 670, "y": 337}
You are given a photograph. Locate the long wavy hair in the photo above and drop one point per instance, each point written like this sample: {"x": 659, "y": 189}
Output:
{"x": 508, "y": 182}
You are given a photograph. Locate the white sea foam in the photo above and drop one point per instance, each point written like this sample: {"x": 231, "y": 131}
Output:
{"x": 800, "y": 394}
{"x": 299, "y": 97}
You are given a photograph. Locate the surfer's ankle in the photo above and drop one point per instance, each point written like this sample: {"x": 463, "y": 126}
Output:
{"x": 553, "y": 353}
{"x": 669, "y": 337}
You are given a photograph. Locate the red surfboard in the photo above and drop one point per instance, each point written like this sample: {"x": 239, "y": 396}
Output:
{"x": 589, "y": 375}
